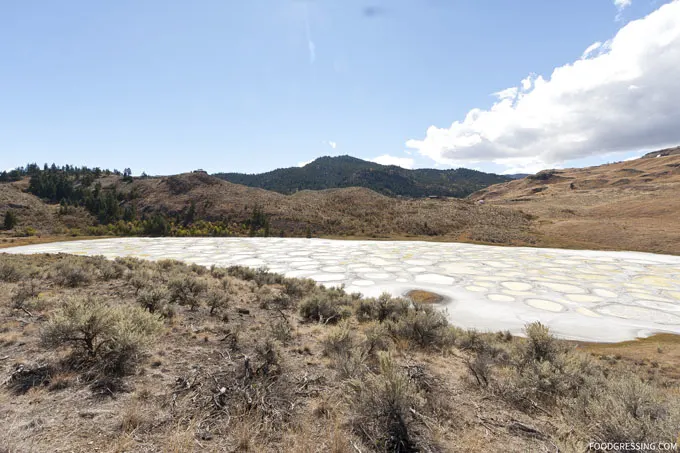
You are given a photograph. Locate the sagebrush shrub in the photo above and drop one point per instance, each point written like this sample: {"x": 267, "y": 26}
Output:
{"x": 152, "y": 299}
{"x": 383, "y": 406}
{"x": 186, "y": 290}
{"x": 626, "y": 409}
{"x": 72, "y": 272}
{"x": 110, "y": 338}
{"x": 424, "y": 326}
{"x": 217, "y": 297}
{"x": 540, "y": 345}
{"x": 108, "y": 270}
{"x": 323, "y": 308}
{"x": 10, "y": 272}
{"x": 383, "y": 308}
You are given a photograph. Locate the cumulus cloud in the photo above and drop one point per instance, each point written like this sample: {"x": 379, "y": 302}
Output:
{"x": 332, "y": 144}
{"x": 386, "y": 159}
{"x": 621, "y": 95}
{"x": 590, "y": 50}
{"x": 302, "y": 164}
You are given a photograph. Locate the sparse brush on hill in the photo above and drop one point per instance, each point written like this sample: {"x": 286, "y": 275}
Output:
{"x": 142, "y": 362}
{"x": 82, "y": 201}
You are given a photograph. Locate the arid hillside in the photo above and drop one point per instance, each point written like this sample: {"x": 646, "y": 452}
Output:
{"x": 630, "y": 205}
{"x": 341, "y": 212}
{"x": 34, "y": 213}
{"x": 135, "y": 356}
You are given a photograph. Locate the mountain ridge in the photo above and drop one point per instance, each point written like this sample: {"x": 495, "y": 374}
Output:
{"x": 337, "y": 172}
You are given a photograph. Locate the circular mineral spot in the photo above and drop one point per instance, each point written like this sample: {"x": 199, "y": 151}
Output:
{"x": 639, "y": 313}
{"x": 402, "y": 280}
{"x": 653, "y": 280}
{"x": 418, "y": 262}
{"x": 366, "y": 270}
{"x": 363, "y": 283}
{"x": 416, "y": 270}
{"x": 475, "y": 289}
{"x": 583, "y": 298}
{"x": 564, "y": 288}
{"x": 647, "y": 296}
{"x": 500, "y": 298}
{"x": 435, "y": 278}
{"x": 424, "y": 297}
{"x": 584, "y": 311}
{"x": 604, "y": 293}
{"x": 543, "y": 304}
{"x": 377, "y": 275}
{"x": 453, "y": 268}
{"x": 333, "y": 269}
{"x": 606, "y": 267}
{"x": 484, "y": 284}
{"x": 516, "y": 286}
{"x": 327, "y": 277}
{"x": 592, "y": 277}
{"x": 498, "y": 265}
{"x": 517, "y": 293}
{"x": 658, "y": 305}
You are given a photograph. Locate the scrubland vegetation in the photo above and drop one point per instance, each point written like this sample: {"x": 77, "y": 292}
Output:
{"x": 79, "y": 201}
{"x": 129, "y": 355}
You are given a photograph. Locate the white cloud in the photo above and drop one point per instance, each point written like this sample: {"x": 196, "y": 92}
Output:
{"x": 386, "y": 159}
{"x": 332, "y": 144}
{"x": 621, "y": 4}
{"x": 302, "y": 164}
{"x": 311, "y": 47}
{"x": 623, "y": 97}
{"x": 590, "y": 49}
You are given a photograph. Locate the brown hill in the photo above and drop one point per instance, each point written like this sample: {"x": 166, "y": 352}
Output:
{"x": 630, "y": 205}
{"x": 346, "y": 212}
{"x": 32, "y": 212}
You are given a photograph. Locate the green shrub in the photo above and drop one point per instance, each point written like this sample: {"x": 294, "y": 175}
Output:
{"x": 152, "y": 299}
{"x": 540, "y": 345}
{"x": 323, "y": 308}
{"x": 186, "y": 290}
{"x": 108, "y": 270}
{"x": 130, "y": 262}
{"x": 542, "y": 369}
{"x": 218, "y": 297}
{"x": 269, "y": 296}
{"x": 10, "y": 272}
{"x": 383, "y": 408}
{"x": 377, "y": 338}
{"x": 140, "y": 279}
{"x": 383, "y": 308}
{"x": 299, "y": 287}
{"x": 110, "y": 338}
{"x": 26, "y": 291}
{"x": 10, "y": 220}
{"x": 339, "y": 340}
{"x": 424, "y": 326}
{"x": 628, "y": 410}
{"x": 72, "y": 272}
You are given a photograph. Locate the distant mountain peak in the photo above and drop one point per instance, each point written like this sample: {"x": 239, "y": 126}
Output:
{"x": 332, "y": 172}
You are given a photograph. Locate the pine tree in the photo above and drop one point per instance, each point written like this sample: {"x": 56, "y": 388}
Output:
{"x": 10, "y": 220}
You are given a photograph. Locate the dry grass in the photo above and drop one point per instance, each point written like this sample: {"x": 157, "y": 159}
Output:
{"x": 629, "y": 205}
{"x": 264, "y": 376}
{"x": 351, "y": 212}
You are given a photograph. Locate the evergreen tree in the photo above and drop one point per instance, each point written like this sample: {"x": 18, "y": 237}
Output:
{"x": 10, "y": 220}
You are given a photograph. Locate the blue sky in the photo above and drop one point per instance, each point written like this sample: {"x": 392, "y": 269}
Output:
{"x": 249, "y": 86}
